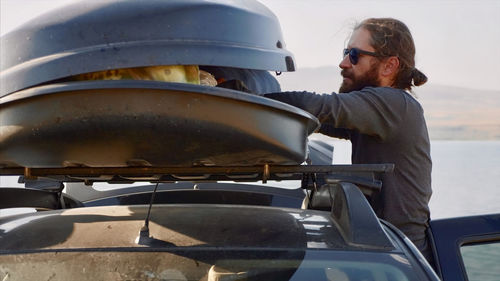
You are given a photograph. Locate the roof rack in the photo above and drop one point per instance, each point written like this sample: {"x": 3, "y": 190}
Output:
{"x": 342, "y": 192}
{"x": 364, "y": 174}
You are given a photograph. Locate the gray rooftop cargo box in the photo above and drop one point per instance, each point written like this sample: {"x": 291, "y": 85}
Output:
{"x": 48, "y": 121}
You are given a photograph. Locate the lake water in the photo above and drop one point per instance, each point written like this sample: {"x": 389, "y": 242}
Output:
{"x": 465, "y": 176}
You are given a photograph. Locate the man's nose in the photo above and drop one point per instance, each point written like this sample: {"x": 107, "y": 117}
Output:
{"x": 345, "y": 62}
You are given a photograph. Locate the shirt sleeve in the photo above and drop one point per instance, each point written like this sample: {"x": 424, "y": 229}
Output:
{"x": 330, "y": 130}
{"x": 371, "y": 111}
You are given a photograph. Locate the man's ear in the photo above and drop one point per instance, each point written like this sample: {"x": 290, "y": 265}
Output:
{"x": 390, "y": 67}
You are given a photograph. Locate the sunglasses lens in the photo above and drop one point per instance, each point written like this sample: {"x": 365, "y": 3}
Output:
{"x": 353, "y": 55}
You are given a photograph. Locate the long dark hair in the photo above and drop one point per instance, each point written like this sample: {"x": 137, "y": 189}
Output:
{"x": 391, "y": 37}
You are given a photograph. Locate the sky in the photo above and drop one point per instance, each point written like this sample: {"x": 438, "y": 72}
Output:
{"x": 457, "y": 41}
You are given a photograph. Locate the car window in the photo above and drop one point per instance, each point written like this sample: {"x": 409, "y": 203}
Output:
{"x": 481, "y": 261}
{"x": 208, "y": 264}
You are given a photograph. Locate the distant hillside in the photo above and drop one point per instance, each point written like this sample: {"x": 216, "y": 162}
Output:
{"x": 452, "y": 113}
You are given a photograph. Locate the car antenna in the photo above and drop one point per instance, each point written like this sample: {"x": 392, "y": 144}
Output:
{"x": 144, "y": 232}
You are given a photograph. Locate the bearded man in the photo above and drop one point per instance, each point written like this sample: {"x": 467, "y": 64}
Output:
{"x": 383, "y": 121}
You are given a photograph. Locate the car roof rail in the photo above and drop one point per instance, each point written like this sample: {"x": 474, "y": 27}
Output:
{"x": 36, "y": 198}
{"x": 355, "y": 218}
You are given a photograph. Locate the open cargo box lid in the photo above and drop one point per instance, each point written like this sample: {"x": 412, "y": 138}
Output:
{"x": 46, "y": 123}
{"x": 92, "y": 36}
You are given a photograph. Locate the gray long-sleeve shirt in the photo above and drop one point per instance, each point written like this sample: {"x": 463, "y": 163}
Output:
{"x": 385, "y": 125}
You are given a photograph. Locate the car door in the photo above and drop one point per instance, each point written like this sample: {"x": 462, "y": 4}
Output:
{"x": 467, "y": 248}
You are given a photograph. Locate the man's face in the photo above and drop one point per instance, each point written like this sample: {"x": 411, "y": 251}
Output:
{"x": 366, "y": 71}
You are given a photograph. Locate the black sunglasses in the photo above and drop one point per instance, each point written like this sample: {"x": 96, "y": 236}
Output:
{"x": 355, "y": 52}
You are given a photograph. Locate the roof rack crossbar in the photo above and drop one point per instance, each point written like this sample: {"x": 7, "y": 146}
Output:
{"x": 211, "y": 173}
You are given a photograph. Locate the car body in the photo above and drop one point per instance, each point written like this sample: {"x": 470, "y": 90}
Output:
{"x": 229, "y": 231}
{"x": 267, "y": 237}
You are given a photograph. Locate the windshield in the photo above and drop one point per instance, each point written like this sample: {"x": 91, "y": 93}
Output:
{"x": 207, "y": 264}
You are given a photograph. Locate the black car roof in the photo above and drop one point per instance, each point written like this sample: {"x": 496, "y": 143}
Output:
{"x": 173, "y": 226}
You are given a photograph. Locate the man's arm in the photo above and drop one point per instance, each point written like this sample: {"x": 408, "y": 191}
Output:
{"x": 339, "y": 133}
{"x": 372, "y": 111}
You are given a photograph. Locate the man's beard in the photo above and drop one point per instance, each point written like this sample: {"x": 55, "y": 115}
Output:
{"x": 370, "y": 78}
